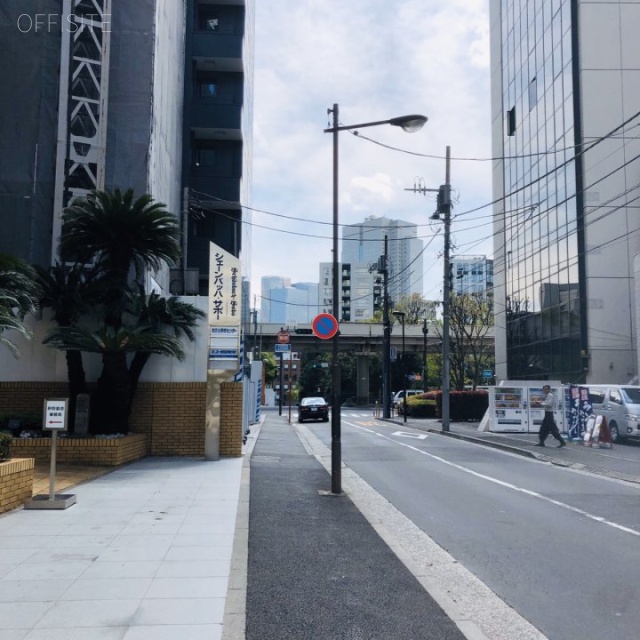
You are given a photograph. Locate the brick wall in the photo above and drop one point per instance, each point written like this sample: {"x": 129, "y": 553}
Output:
{"x": 98, "y": 451}
{"x": 172, "y": 415}
{"x": 231, "y": 419}
{"x": 28, "y": 397}
{"x": 16, "y": 483}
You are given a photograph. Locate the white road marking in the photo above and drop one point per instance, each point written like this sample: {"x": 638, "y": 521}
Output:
{"x": 477, "y": 611}
{"x": 513, "y": 487}
{"x": 415, "y": 436}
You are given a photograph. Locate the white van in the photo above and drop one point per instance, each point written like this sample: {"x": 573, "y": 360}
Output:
{"x": 620, "y": 404}
{"x": 399, "y": 397}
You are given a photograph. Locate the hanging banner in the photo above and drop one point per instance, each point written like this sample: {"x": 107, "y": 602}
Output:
{"x": 572, "y": 403}
{"x": 585, "y": 409}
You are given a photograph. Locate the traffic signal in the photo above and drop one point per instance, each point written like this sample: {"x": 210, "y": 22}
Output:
{"x": 305, "y": 332}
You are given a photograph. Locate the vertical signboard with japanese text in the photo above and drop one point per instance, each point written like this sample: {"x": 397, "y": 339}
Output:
{"x": 225, "y": 298}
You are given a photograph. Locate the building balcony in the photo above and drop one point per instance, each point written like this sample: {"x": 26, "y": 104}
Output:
{"x": 210, "y": 117}
{"x": 225, "y": 50}
{"x": 224, "y": 188}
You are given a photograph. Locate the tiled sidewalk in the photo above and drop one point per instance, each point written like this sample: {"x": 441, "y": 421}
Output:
{"x": 144, "y": 554}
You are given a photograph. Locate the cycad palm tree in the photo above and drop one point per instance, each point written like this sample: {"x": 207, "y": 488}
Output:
{"x": 119, "y": 234}
{"x": 113, "y": 395}
{"x": 19, "y": 293}
{"x": 120, "y": 237}
{"x": 71, "y": 293}
{"x": 161, "y": 315}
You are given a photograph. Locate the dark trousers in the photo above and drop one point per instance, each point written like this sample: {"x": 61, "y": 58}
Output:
{"x": 549, "y": 426}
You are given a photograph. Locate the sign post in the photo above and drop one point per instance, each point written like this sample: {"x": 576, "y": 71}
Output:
{"x": 225, "y": 300}
{"x": 55, "y": 419}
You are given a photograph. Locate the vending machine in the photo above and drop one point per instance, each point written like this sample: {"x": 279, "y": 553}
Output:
{"x": 516, "y": 406}
{"x": 508, "y": 409}
{"x": 536, "y": 409}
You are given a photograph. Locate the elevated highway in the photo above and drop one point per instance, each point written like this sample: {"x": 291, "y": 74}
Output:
{"x": 361, "y": 337}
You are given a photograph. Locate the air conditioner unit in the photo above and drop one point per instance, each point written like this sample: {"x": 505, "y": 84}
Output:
{"x": 184, "y": 282}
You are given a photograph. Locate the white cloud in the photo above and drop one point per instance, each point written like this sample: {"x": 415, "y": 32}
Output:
{"x": 376, "y": 59}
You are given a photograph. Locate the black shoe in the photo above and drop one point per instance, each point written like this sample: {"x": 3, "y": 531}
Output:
{"x": 539, "y": 444}
{"x": 562, "y": 444}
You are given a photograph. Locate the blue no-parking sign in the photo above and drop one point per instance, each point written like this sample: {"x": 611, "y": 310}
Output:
{"x": 325, "y": 326}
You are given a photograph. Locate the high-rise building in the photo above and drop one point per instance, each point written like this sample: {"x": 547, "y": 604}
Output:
{"x": 154, "y": 96}
{"x": 565, "y": 108}
{"x": 267, "y": 283}
{"x": 360, "y": 291}
{"x": 472, "y": 275}
{"x": 294, "y": 304}
{"x": 363, "y": 244}
{"x": 217, "y": 126}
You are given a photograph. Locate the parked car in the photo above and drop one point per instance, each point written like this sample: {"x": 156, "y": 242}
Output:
{"x": 620, "y": 404}
{"x": 399, "y": 397}
{"x": 313, "y": 409}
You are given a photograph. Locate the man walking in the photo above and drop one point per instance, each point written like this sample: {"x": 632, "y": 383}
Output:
{"x": 549, "y": 423}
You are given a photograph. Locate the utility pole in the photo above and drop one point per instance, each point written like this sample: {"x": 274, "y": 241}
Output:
{"x": 425, "y": 366}
{"x": 444, "y": 209}
{"x": 383, "y": 268}
{"x": 254, "y": 313}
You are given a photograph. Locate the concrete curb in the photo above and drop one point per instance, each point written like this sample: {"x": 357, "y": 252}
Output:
{"x": 476, "y": 610}
{"x": 235, "y": 610}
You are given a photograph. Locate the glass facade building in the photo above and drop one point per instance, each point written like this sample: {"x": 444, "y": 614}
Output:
{"x": 472, "y": 275}
{"x": 557, "y": 169}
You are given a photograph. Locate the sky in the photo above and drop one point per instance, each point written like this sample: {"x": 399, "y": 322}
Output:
{"x": 377, "y": 60}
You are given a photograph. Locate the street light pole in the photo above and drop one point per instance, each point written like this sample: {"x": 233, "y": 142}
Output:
{"x": 401, "y": 316}
{"x": 410, "y": 124}
{"x": 336, "y": 444}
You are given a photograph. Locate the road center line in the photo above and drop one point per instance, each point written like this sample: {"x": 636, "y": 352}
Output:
{"x": 504, "y": 484}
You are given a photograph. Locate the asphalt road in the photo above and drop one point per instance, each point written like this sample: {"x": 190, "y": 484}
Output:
{"x": 559, "y": 546}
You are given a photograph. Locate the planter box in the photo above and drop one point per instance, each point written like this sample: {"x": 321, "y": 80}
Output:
{"x": 84, "y": 450}
{"x": 16, "y": 483}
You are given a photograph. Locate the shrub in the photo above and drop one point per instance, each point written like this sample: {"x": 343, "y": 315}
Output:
{"x": 463, "y": 405}
{"x": 5, "y": 446}
{"x": 420, "y": 407}
{"x": 16, "y": 421}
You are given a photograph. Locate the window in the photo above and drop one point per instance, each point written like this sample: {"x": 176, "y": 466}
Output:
{"x": 208, "y": 18}
{"x": 615, "y": 397}
{"x": 207, "y": 88}
{"x": 205, "y": 157}
{"x": 533, "y": 93}
{"x": 511, "y": 122}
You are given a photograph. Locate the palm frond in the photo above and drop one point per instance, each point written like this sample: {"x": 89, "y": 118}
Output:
{"x": 119, "y": 232}
{"x": 109, "y": 340}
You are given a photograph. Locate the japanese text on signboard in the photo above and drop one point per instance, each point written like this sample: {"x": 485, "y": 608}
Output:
{"x": 221, "y": 288}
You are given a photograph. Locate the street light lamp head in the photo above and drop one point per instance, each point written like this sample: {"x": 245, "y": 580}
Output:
{"x": 409, "y": 123}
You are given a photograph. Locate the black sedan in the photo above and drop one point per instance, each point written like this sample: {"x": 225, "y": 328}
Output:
{"x": 313, "y": 409}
